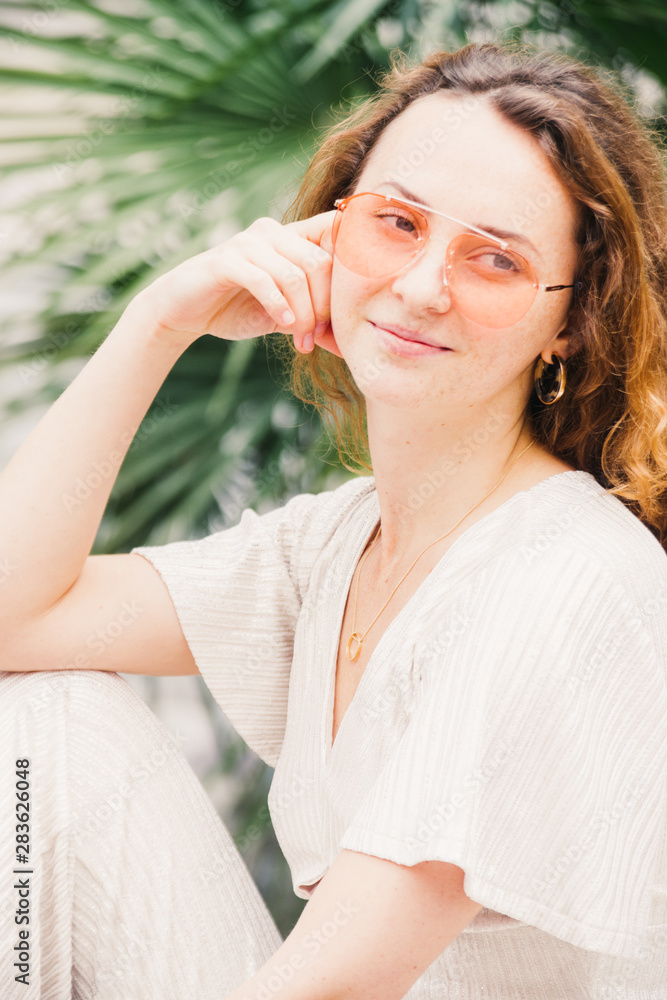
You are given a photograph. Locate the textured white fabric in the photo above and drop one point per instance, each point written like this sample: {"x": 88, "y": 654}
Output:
{"x": 137, "y": 890}
{"x": 512, "y": 720}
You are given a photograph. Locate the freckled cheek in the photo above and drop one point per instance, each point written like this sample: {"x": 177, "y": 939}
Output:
{"x": 527, "y": 337}
{"x": 507, "y": 350}
{"x": 350, "y": 296}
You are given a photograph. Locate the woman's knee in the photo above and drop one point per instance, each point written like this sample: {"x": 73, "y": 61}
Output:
{"x": 94, "y": 720}
{"x": 84, "y": 694}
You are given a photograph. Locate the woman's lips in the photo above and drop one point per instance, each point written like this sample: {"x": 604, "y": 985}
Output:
{"x": 406, "y": 348}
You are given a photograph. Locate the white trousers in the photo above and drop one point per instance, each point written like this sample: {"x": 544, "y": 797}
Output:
{"x": 134, "y": 888}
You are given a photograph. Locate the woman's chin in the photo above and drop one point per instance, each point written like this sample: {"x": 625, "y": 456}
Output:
{"x": 380, "y": 381}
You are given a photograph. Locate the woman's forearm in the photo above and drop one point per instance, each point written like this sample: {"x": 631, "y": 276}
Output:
{"x": 368, "y": 932}
{"x": 55, "y": 488}
{"x": 50, "y": 510}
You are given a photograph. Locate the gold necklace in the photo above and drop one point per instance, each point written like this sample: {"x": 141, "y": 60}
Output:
{"x": 360, "y": 638}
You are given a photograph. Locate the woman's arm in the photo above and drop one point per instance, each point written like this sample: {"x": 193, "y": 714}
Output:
{"x": 49, "y": 517}
{"x": 54, "y": 490}
{"x": 369, "y": 931}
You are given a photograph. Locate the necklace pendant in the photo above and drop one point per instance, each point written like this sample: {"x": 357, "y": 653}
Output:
{"x": 355, "y": 635}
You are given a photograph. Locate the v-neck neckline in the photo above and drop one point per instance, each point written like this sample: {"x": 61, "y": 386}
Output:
{"x": 352, "y": 556}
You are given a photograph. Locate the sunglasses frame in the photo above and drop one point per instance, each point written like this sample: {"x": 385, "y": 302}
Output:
{"x": 341, "y": 203}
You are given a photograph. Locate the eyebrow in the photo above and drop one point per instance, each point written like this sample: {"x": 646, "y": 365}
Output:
{"x": 502, "y": 234}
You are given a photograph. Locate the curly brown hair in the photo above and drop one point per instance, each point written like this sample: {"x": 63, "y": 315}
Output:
{"x": 612, "y": 420}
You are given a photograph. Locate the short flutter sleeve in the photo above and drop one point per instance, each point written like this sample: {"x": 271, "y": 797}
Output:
{"x": 535, "y": 757}
{"x": 238, "y": 594}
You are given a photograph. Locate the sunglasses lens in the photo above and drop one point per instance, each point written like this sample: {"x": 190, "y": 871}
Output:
{"x": 488, "y": 285}
{"x": 374, "y": 237}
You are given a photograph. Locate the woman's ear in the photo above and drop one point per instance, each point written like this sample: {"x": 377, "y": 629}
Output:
{"x": 574, "y": 341}
{"x": 569, "y": 341}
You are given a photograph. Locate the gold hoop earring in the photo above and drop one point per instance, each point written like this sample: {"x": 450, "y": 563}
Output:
{"x": 550, "y": 395}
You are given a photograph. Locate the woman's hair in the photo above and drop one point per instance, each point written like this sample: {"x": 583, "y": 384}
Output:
{"x": 612, "y": 419}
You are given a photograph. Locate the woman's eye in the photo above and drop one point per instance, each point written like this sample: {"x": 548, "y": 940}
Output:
{"x": 404, "y": 224}
{"x": 501, "y": 262}
{"x": 400, "y": 222}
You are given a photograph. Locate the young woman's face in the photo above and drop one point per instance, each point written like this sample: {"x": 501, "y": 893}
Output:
{"x": 486, "y": 172}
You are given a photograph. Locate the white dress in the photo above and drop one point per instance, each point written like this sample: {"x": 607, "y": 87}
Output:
{"x": 512, "y": 720}
{"x": 134, "y": 888}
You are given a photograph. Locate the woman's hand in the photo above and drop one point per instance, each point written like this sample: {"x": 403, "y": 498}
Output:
{"x": 246, "y": 286}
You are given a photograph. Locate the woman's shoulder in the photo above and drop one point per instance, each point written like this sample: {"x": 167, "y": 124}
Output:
{"x": 572, "y": 526}
{"x": 574, "y": 510}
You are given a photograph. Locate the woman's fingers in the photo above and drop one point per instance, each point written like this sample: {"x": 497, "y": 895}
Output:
{"x": 317, "y": 229}
{"x": 292, "y": 280}
{"x": 259, "y": 282}
{"x": 304, "y": 278}
{"x": 286, "y": 269}
{"x": 298, "y": 268}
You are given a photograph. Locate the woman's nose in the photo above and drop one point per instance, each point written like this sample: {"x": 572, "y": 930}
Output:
{"x": 424, "y": 280}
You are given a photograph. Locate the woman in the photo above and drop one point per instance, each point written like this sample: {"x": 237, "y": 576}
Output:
{"x": 456, "y": 664}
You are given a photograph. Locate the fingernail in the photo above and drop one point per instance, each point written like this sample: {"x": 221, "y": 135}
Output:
{"x": 308, "y": 342}
{"x": 287, "y": 317}
{"x": 321, "y": 327}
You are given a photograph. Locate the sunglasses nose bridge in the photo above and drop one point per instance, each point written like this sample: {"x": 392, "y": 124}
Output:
{"x": 446, "y": 245}
{"x": 419, "y": 254}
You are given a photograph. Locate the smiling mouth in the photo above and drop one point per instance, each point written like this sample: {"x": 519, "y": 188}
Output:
{"x": 409, "y": 340}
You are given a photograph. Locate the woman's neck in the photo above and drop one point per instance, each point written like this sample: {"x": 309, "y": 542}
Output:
{"x": 428, "y": 478}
